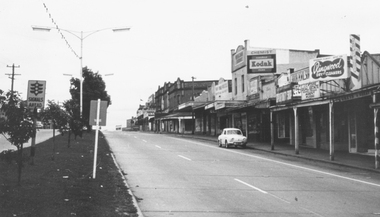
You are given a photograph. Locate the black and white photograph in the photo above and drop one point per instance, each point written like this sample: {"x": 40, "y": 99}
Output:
{"x": 149, "y": 108}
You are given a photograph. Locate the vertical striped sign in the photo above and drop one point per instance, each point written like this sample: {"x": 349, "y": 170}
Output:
{"x": 355, "y": 60}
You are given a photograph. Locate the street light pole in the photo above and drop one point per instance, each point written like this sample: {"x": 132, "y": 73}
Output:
{"x": 81, "y": 75}
{"x": 81, "y": 37}
{"x": 192, "y": 107}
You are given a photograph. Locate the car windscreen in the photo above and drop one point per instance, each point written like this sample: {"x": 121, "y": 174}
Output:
{"x": 234, "y": 132}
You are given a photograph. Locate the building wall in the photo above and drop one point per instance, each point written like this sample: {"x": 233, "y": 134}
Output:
{"x": 239, "y": 78}
{"x": 370, "y": 69}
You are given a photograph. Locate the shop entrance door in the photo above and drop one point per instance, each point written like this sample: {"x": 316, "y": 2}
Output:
{"x": 352, "y": 133}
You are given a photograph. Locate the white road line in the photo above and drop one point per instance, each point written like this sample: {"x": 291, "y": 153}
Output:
{"x": 144, "y": 141}
{"x": 251, "y": 186}
{"x": 158, "y": 146}
{"x": 184, "y": 157}
{"x": 135, "y": 137}
{"x": 287, "y": 164}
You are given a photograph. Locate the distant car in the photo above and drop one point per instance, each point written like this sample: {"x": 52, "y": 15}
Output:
{"x": 232, "y": 137}
{"x": 39, "y": 125}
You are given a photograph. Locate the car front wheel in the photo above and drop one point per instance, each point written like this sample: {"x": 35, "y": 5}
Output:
{"x": 220, "y": 143}
{"x": 226, "y": 144}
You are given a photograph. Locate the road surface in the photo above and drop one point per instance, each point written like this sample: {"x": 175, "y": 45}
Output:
{"x": 42, "y": 135}
{"x": 171, "y": 176}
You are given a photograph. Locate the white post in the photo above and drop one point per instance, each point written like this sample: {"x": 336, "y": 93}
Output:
{"x": 296, "y": 133}
{"x": 81, "y": 76}
{"x": 271, "y": 131}
{"x": 376, "y": 139}
{"x": 96, "y": 139}
{"x": 331, "y": 118}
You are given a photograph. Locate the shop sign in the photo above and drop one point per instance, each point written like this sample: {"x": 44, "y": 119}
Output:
{"x": 328, "y": 68}
{"x": 300, "y": 76}
{"x": 211, "y": 105}
{"x": 219, "y": 105}
{"x": 262, "y": 61}
{"x": 310, "y": 90}
{"x": 148, "y": 113}
{"x": 353, "y": 96}
{"x": 238, "y": 58}
{"x": 254, "y": 86}
{"x": 221, "y": 91}
{"x": 297, "y": 90}
{"x": 284, "y": 97}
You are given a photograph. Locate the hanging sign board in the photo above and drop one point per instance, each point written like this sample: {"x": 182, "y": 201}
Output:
{"x": 310, "y": 90}
{"x": 102, "y": 113}
{"x": 36, "y": 94}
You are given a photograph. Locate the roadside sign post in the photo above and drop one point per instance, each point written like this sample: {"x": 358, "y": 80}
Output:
{"x": 98, "y": 114}
{"x": 35, "y": 100}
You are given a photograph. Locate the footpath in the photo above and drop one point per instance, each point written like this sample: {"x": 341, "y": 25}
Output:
{"x": 361, "y": 161}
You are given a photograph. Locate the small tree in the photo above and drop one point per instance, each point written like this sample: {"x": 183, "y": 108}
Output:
{"x": 94, "y": 88}
{"x": 17, "y": 126}
{"x": 74, "y": 120}
{"x": 59, "y": 118}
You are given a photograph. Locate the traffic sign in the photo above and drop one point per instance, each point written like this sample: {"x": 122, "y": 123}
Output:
{"x": 102, "y": 113}
{"x": 36, "y": 94}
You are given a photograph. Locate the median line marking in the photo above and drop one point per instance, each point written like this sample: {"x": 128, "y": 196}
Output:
{"x": 158, "y": 146}
{"x": 184, "y": 157}
{"x": 287, "y": 164}
{"x": 262, "y": 191}
{"x": 144, "y": 141}
{"x": 251, "y": 186}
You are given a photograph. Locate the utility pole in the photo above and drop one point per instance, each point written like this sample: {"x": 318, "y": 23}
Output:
{"x": 13, "y": 77}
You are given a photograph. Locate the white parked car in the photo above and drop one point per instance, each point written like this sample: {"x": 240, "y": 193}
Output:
{"x": 232, "y": 137}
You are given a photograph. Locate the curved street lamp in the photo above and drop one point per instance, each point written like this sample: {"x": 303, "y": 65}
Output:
{"x": 81, "y": 36}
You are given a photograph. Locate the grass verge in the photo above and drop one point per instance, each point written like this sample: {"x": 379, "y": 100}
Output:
{"x": 64, "y": 187}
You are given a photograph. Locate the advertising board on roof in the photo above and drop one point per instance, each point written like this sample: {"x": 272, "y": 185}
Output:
{"x": 238, "y": 58}
{"x": 221, "y": 91}
{"x": 300, "y": 76}
{"x": 261, "y": 61}
{"x": 328, "y": 68}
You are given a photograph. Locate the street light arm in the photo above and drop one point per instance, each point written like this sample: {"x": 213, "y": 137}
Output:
{"x": 76, "y": 33}
{"x": 47, "y": 29}
{"x": 113, "y": 29}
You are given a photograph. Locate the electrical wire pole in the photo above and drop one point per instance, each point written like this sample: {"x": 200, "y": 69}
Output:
{"x": 13, "y": 77}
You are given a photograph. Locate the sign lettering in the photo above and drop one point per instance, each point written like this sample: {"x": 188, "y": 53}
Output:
{"x": 328, "y": 68}
{"x": 263, "y": 61}
{"x": 36, "y": 94}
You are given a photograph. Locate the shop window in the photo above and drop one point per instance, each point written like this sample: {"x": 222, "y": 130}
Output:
{"x": 283, "y": 126}
{"x": 242, "y": 83}
{"x": 235, "y": 86}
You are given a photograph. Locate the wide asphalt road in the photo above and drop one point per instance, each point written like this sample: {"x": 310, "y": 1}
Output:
{"x": 171, "y": 176}
{"x": 42, "y": 135}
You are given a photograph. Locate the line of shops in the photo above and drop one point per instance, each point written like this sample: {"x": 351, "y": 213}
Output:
{"x": 299, "y": 98}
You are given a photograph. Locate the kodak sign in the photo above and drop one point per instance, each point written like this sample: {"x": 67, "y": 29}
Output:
{"x": 261, "y": 61}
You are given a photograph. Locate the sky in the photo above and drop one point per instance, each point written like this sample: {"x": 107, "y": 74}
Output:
{"x": 168, "y": 39}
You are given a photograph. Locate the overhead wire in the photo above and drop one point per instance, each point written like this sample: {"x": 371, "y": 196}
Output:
{"x": 59, "y": 31}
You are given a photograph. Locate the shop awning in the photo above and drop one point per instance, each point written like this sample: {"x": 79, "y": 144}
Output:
{"x": 177, "y": 115}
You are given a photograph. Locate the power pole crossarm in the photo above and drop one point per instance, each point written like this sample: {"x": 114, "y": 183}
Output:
{"x": 13, "y": 75}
